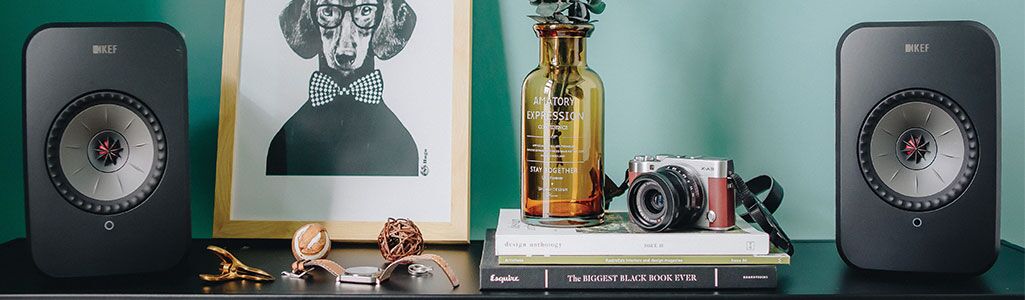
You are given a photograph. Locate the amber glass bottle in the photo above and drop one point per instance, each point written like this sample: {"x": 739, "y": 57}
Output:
{"x": 562, "y": 147}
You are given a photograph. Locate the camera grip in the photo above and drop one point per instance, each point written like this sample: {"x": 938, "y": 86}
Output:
{"x": 720, "y": 202}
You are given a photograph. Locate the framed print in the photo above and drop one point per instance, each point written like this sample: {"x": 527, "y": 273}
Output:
{"x": 346, "y": 113}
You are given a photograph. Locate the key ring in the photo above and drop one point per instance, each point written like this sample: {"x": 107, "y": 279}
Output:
{"x": 419, "y": 269}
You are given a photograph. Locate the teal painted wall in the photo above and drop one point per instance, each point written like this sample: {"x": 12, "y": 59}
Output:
{"x": 752, "y": 80}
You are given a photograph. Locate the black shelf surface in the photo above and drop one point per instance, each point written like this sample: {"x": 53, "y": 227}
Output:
{"x": 816, "y": 270}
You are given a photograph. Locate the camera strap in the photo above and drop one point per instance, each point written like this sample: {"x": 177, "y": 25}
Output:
{"x": 756, "y": 186}
{"x": 759, "y": 211}
{"x": 613, "y": 190}
{"x": 755, "y": 211}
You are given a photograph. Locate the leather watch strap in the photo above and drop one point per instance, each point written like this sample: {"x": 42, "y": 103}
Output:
{"x": 420, "y": 259}
{"x": 326, "y": 264}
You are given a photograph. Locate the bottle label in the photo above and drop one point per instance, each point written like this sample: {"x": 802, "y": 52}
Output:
{"x": 556, "y": 142}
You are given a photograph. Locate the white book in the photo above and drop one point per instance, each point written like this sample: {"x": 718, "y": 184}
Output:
{"x": 618, "y": 236}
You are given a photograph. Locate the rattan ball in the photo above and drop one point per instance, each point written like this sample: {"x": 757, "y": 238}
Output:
{"x": 400, "y": 238}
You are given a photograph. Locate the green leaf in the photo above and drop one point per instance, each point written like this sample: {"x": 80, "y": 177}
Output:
{"x": 578, "y": 19}
{"x": 566, "y": 11}
{"x": 563, "y": 6}
{"x": 597, "y": 7}
{"x": 547, "y": 9}
{"x": 540, "y": 19}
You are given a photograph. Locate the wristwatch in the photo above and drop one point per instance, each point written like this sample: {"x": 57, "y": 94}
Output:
{"x": 367, "y": 274}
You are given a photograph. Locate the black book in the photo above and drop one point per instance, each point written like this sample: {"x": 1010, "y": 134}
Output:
{"x": 552, "y": 277}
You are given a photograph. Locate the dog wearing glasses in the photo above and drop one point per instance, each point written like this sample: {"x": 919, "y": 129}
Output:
{"x": 345, "y": 127}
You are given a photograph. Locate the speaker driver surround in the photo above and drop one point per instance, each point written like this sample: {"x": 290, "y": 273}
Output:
{"x": 105, "y": 152}
{"x": 918, "y": 150}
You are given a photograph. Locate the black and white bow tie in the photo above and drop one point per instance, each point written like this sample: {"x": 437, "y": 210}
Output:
{"x": 366, "y": 89}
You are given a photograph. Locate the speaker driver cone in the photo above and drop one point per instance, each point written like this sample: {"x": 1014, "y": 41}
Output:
{"x": 918, "y": 150}
{"x": 105, "y": 152}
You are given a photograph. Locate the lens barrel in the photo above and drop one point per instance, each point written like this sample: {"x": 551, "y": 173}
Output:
{"x": 665, "y": 199}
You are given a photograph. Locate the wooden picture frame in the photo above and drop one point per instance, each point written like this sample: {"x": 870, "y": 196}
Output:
{"x": 455, "y": 230}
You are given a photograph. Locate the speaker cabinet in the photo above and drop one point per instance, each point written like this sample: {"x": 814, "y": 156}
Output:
{"x": 106, "y": 154}
{"x": 918, "y": 137}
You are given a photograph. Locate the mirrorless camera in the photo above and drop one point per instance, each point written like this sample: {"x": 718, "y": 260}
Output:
{"x": 673, "y": 191}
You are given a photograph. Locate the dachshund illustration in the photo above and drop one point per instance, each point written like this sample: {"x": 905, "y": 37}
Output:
{"x": 345, "y": 127}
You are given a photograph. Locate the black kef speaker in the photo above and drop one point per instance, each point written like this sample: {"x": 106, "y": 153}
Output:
{"x": 106, "y": 157}
{"x": 918, "y": 137}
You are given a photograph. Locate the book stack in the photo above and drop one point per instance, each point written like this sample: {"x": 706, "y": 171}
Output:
{"x": 619, "y": 255}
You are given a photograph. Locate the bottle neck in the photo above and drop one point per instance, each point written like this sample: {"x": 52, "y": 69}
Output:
{"x": 563, "y": 51}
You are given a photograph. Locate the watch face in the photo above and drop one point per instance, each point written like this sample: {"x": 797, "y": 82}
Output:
{"x": 368, "y": 275}
{"x": 363, "y": 271}
{"x": 105, "y": 152}
{"x": 918, "y": 150}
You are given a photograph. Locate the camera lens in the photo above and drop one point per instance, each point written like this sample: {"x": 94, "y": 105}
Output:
{"x": 665, "y": 199}
{"x": 654, "y": 201}
{"x": 649, "y": 200}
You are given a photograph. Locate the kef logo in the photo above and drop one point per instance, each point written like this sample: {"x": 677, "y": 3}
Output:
{"x": 104, "y": 49}
{"x": 916, "y": 48}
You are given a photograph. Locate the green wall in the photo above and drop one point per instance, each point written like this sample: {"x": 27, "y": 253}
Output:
{"x": 747, "y": 79}
{"x": 752, "y": 80}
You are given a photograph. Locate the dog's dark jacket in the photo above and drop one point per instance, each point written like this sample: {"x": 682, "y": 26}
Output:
{"x": 343, "y": 137}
